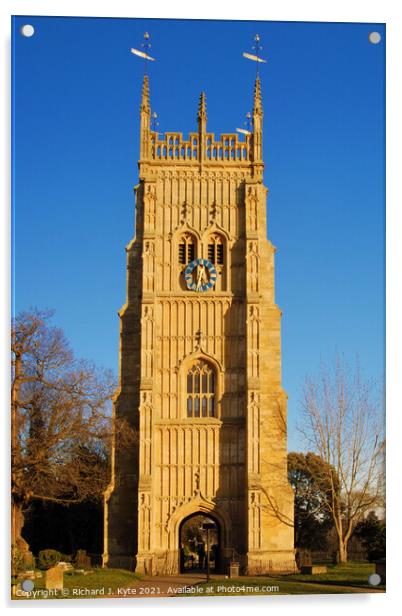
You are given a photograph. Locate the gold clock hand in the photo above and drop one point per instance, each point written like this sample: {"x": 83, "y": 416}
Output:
{"x": 199, "y": 280}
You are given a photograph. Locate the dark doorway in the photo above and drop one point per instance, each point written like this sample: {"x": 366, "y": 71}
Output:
{"x": 193, "y": 539}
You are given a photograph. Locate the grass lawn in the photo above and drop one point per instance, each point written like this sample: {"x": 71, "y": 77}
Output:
{"x": 340, "y": 579}
{"x": 351, "y": 573}
{"x": 104, "y": 581}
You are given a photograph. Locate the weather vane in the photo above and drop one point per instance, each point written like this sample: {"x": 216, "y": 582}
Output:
{"x": 154, "y": 121}
{"x": 146, "y": 45}
{"x": 247, "y": 124}
{"x": 255, "y": 57}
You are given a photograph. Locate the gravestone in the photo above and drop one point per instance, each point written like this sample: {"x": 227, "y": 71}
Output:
{"x": 65, "y": 566}
{"x": 313, "y": 569}
{"x": 54, "y": 578}
{"x": 26, "y": 575}
{"x": 303, "y": 558}
{"x": 82, "y": 560}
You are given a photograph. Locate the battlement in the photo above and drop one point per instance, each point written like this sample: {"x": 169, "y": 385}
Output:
{"x": 196, "y": 148}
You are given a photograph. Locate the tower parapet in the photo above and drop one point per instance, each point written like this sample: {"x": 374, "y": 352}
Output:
{"x": 201, "y": 146}
{"x": 174, "y": 147}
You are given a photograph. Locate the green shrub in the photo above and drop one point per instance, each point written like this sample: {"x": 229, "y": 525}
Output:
{"x": 21, "y": 561}
{"x": 17, "y": 560}
{"x": 48, "y": 558}
{"x": 371, "y": 532}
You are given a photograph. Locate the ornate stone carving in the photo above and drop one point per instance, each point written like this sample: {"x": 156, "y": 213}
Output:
{"x": 199, "y": 339}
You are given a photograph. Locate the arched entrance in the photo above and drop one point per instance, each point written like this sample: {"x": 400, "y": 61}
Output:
{"x": 199, "y": 533}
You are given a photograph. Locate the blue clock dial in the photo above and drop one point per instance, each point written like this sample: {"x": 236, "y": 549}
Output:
{"x": 200, "y": 275}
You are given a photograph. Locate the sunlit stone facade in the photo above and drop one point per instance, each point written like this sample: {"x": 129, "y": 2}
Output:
{"x": 200, "y": 358}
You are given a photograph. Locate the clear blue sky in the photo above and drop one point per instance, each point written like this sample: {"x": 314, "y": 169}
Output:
{"x": 75, "y": 134}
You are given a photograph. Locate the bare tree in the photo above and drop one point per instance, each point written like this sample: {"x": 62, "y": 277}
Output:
{"x": 343, "y": 423}
{"x": 61, "y": 421}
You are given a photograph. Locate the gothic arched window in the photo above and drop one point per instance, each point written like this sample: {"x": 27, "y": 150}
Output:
{"x": 186, "y": 249}
{"x": 216, "y": 250}
{"x": 201, "y": 390}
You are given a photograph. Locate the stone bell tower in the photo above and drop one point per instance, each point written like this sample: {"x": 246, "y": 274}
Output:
{"x": 200, "y": 358}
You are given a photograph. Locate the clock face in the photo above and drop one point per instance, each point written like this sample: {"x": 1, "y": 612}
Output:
{"x": 200, "y": 275}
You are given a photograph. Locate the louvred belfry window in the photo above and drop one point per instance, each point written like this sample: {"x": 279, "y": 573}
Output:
{"x": 186, "y": 250}
{"x": 215, "y": 250}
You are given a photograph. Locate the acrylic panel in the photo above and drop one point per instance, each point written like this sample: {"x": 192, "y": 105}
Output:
{"x": 198, "y": 307}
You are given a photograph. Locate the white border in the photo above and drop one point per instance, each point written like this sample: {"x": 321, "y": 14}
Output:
{"x": 282, "y": 10}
